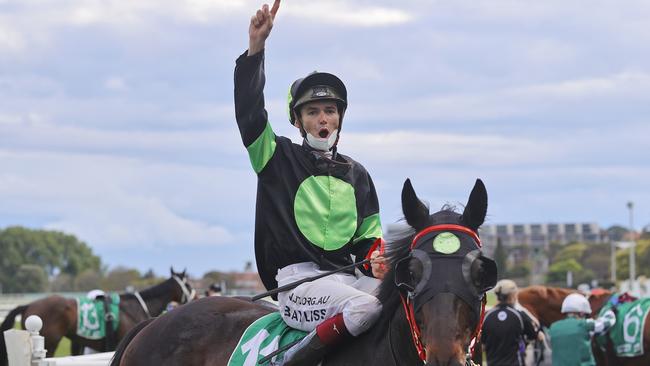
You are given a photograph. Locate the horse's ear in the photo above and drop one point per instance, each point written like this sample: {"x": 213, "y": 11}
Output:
{"x": 171, "y": 270}
{"x": 415, "y": 212}
{"x": 476, "y": 207}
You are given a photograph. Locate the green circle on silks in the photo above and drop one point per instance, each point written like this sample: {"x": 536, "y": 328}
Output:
{"x": 325, "y": 210}
{"x": 446, "y": 243}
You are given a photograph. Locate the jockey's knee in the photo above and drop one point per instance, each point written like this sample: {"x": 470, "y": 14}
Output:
{"x": 361, "y": 313}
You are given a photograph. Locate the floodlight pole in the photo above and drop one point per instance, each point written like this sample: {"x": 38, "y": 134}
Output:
{"x": 613, "y": 263}
{"x": 630, "y": 206}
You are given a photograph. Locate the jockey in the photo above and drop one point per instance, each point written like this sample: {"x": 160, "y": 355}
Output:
{"x": 506, "y": 329}
{"x": 316, "y": 209}
{"x": 571, "y": 337}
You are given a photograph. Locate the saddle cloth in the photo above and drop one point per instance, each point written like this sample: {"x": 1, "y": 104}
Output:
{"x": 91, "y": 317}
{"x": 627, "y": 333}
{"x": 261, "y": 338}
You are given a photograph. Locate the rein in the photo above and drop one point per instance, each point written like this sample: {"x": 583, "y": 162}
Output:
{"x": 142, "y": 303}
{"x": 408, "y": 304}
{"x": 187, "y": 294}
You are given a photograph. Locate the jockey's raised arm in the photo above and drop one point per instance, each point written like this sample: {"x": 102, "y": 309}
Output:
{"x": 260, "y": 27}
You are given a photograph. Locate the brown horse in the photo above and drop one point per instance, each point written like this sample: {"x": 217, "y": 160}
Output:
{"x": 545, "y": 303}
{"x": 445, "y": 292}
{"x": 59, "y": 314}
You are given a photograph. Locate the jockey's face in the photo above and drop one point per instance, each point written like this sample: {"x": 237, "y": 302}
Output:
{"x": 319, "y": 118}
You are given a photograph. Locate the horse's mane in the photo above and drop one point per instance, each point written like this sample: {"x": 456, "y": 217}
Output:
{"x": 398, "y": 246}
{"x": 155, "y": 291}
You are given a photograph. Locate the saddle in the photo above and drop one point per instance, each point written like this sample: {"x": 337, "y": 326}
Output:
{"x": 99, "y": 319}
{"x": 262, "y": 338}
{"x": 627, "y": 334}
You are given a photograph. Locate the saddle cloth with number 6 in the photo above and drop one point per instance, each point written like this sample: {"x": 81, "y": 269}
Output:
{"x": 627, "y": 333}
{"x": 261, "y": 338}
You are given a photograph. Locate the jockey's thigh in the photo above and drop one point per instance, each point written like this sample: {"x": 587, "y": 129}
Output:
{"x": 309, "y": 304}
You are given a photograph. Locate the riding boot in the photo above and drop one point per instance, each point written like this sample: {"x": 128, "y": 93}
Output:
{"x": 311, "y": 349}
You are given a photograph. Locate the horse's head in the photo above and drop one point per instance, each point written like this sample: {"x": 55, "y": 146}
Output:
{"x": 185, "y": 291}
{"x": 443, "y": 275}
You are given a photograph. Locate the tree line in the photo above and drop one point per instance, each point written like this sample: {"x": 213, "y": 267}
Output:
{"x": 47, "y": 260}
{"x": 33, "y": 260}
{"x": 586, "y": 261}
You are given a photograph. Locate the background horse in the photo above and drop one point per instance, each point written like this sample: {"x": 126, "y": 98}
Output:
{"x": 545, "y": 303}
{"x": 59, "y": 314}
{"x": 446, "y": 289}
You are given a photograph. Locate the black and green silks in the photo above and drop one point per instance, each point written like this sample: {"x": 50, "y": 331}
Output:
{"x": 308, "y": 208}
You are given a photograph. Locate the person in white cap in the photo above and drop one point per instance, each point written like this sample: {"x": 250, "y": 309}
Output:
{"x": 506, "y": 329}
{"x": 571, "y": 337}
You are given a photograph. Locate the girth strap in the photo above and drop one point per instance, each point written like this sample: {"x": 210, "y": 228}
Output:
{"x": 110, "y": 340}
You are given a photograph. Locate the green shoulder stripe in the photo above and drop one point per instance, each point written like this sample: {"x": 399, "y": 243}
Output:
{"x": 370, "y": 228}
{"x": 262, "y": 149}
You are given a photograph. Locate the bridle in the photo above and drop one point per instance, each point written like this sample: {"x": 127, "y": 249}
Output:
{"x": 408, "y": 300}
{"x": 188, "y": 292}
{"x": 142, "y": 303}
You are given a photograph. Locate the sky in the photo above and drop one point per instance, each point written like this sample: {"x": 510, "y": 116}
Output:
{"x": 117, "y": 117}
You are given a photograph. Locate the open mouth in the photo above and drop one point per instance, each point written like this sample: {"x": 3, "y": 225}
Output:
{"x": 323, "y": 133}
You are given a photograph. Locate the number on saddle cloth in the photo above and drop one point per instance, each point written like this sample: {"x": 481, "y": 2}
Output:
{"x": 261, "y": 338}
{"x": 91, "y": 316}
{"x": 627, "y": 332}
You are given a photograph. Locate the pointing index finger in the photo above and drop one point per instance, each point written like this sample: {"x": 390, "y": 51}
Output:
{"x": 274, "y": 9}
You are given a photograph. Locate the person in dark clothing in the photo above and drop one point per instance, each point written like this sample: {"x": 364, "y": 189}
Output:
{"x": 316, "y": 209}
{"x": 506, "y": 329}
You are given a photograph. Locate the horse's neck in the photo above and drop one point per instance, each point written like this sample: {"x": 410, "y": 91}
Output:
{"x": 158, "y": 297}
{"x": 387, "y": 343}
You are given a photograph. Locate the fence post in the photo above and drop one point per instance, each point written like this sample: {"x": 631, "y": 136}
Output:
{"x": 33, "y": 323}
{"x": 19, "y": 348}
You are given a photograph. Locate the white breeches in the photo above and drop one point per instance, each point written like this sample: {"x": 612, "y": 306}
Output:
{"x": 309, "y": 304}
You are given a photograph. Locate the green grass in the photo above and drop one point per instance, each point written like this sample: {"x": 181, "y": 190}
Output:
{"x": 64, "y": 346}
{"x": 63, "y": 349}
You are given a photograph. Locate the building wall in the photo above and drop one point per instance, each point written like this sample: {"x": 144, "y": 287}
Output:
{"x": 538, "y": 235}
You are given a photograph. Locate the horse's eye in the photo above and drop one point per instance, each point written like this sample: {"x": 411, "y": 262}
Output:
{"x": 416, "y": 268}
{"x": 477, "y": 273}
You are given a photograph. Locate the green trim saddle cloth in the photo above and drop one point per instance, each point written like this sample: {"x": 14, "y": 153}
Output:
{"x": 91, "y": 318}
{"x": 627, "y": 333}
{"x": 261, "y": 338}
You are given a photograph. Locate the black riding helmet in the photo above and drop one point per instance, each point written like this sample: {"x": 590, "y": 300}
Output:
{"x": 317, "y": 86}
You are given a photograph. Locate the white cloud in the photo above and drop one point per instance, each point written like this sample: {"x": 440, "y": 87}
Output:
{"x": 10, "y": 40}
{"x": 346, "y": 13}
{"x": 115, "y": 83}
{"x": 512, "y": 101}
{"x": 111, "y": 201}
{"x": 426, "y": 148}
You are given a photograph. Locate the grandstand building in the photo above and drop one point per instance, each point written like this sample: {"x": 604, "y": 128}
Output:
{"x": 539, "y": 235}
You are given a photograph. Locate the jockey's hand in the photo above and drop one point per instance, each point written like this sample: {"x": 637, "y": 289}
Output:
{"x": 378, "y": 264}
{"x": 540, "y": 336}
{"x": 260, "y": 27}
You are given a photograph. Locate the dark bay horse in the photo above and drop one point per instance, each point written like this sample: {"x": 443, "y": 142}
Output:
{"x": 441, "y": 284}
{"x": 59, "y": 314}
{"x": 545, "y": 303}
